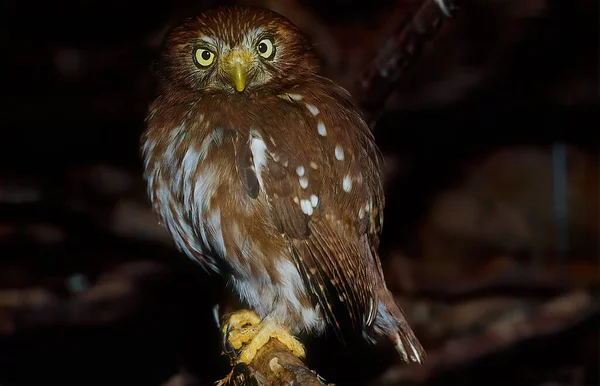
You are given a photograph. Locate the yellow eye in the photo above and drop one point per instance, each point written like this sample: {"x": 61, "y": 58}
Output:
{"x": 204, "y": 57}
{"x": 266, "y": 49}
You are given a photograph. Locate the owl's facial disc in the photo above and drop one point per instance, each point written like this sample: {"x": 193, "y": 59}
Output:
{"x": 237, "y": 64}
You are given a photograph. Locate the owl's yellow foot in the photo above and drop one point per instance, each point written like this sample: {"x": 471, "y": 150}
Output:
{"x": 239, "y": 320}
{"x": 245, "y": 331}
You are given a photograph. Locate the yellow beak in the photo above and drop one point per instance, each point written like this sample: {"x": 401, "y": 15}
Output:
{"x": 238, "y": 73}
{"x": 238, "y": 63}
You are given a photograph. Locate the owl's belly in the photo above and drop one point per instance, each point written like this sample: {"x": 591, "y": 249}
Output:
{"x": 263, "y": 273}
{"x": 283, "y": 298}
{"x": 238, "y": 231}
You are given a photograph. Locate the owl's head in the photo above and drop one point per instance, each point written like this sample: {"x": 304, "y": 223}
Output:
{"x": 235, "y": 50}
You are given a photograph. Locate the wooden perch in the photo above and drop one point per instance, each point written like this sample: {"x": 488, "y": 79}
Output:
{"x": 398, "y": 53}
{"x": 274, "y": 364}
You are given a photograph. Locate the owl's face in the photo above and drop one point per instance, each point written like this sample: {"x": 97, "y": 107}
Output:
{"x": 236, "y": 50}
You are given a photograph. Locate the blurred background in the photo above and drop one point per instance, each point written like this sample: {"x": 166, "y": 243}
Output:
{"x": 489, "y": 127}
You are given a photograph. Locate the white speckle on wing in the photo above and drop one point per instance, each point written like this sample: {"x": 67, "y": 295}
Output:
{"x": 303, "y": 182}
{"x": 339, "y": 153}
{"x": 296, "y": 200}
{"x": 314, "y": 200}
{"x": 295, "y": 97}
{"x": 322, "y": 129}
{"x": 313, "y": 109}
{"x": 347, "y": 183}
{"x": 361, "y": 213}
{"x": 259, "y": 154}
{"x": 313, "y": 165}
{"x": 300, "y": 170}
{"x": 306, "y": 207}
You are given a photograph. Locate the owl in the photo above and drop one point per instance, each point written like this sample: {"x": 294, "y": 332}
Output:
{"x": 264, "y": 172}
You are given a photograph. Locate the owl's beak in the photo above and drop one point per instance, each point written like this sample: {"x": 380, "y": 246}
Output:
{"x": 238, "y": 73}
{"x": 238, "y": 63}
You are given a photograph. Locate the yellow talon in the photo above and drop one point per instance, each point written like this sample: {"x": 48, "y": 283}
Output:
{"x": 240, "y": 319}
{"x": 246, "y": 330}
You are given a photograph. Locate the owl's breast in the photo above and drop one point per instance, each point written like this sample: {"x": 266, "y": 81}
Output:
{"x": 195, "y": 188}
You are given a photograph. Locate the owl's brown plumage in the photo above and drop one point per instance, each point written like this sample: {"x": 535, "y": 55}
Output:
{"x": 265, "y": 172}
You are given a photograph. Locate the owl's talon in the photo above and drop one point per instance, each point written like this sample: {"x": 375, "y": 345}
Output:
{"x": 227, "y": 348}
{"x": 215, "y": 311}
{"x": 235, "y": 322}
{"x": 249, "y": 339}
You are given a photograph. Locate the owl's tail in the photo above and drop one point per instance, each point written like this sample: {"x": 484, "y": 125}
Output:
{"x": 403, "y": 337}
{"x": 393, "y": 323}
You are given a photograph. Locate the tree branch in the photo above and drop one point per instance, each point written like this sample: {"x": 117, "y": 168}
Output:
{"x": 274, "y": 364}
{"x": 399, "y": 52}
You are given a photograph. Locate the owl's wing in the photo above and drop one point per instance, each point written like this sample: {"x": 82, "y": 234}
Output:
{"x": 338, "y": 272}
{"x": 329, "y": 239}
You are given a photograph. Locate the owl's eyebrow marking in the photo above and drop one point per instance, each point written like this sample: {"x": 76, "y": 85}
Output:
{"x": 256, "y": 32}
{"x": 251, "y": 37}
{"x": 208, "y": 40}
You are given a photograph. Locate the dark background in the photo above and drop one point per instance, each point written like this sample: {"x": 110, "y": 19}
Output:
{"x": 492, "y": 163}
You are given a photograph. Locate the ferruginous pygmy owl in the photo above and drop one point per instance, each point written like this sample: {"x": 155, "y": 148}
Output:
{"x": 265, "y": 172}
